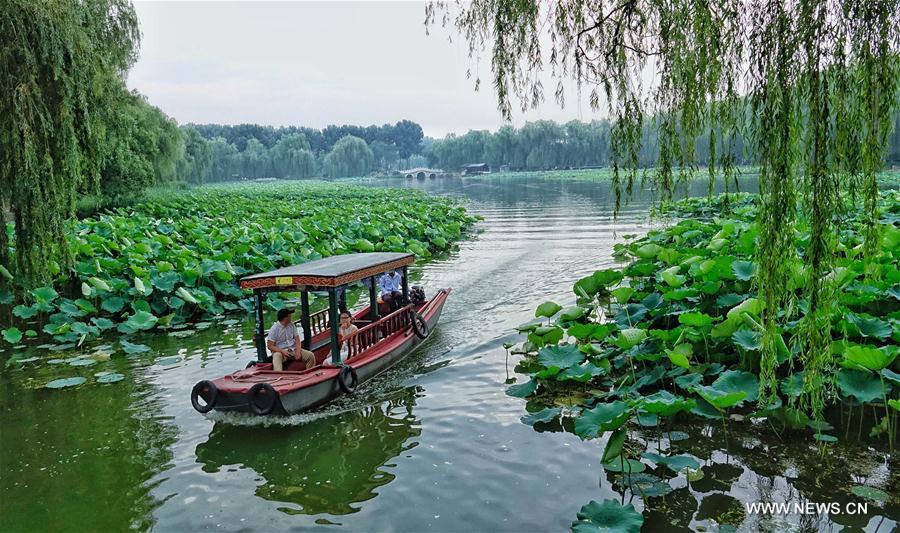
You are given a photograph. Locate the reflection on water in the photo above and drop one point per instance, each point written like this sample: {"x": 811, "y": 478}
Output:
{"x": 319, "y": 467}
{"x": 79, "y": 461}
{"x": 432, "y": 445}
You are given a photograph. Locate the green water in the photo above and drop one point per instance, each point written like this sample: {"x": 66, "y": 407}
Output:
{"x": 433, "y": 445}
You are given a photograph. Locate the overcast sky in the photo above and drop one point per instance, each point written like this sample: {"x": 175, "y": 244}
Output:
{"x": 314, "y": 64}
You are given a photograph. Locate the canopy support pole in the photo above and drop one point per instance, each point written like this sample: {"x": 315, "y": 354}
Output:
{"x": 333, "y": 325}
{"x": 405, "y": 286}
{"x": 261, "y": 355}
{"x": 304, "y": 318}
{"x": 373, "y": 301}
{"x": 342, "y": 298}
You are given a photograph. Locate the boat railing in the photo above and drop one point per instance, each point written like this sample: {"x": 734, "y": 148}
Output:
{"x": 318, "y": 321}
{"x": 367, "y": 336}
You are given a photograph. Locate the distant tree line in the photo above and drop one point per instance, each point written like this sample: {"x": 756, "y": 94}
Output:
{"x": 252, "y": 150}
{"x": 545, "y": 145}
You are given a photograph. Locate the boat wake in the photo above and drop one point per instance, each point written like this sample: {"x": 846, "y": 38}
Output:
{"x": 247, "y": 420}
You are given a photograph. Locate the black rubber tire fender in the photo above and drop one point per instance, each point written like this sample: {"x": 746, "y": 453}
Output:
{"x": 419, "y": 326}
{"x": 347, "y": 379}
{"x": 262, "y": 391}
{"x": 197, "y": 392}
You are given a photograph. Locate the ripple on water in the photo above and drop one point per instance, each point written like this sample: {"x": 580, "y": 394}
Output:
{"x": 433, "y": 444}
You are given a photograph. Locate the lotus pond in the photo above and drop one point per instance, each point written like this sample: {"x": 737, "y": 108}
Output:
{"x": 676, "y": 332}
{"x": 437, "y": 444}
{"x": 175, "y": 259}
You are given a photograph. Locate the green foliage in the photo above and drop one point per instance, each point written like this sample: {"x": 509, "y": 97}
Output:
{"x": 707, "y": 340}
{"x": 350, "y": 156}
{"x": 608, "y": 516}
{"x": 547, "y": 309}
{"x": 813, "y": 87}
{"x": 61, "y": 71}
{"x": 178, "y": 257}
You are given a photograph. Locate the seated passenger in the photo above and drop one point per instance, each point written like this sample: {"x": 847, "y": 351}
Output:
{"x": 390, "y": 284}
{"x": 346, "y": 327}
{"x": 284, "y": 341}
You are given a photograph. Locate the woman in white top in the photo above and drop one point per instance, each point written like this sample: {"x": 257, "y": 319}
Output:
{"x": 346, "y": 326}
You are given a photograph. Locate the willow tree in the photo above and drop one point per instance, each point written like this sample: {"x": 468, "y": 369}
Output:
{"x": 810, "y": 84}
{"x": 350, "y": 156}
{"x": 61, "y": 63}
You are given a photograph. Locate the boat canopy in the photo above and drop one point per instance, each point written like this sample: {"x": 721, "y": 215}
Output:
{"x": 331, "y": 271}
{"x": 331, "y": 274}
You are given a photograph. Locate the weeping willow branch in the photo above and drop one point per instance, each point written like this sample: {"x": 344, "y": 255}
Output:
{"x": 59, "y": 61}
{"x": 812, "y": 84}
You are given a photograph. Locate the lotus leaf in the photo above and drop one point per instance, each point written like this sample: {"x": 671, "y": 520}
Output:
{"x": 630, "y": 337}
{"x": 861, "y": 385}
{"x": 743, "y": 270}
{"x": 141, "y": 320}
{"x": 676, "y": 463}
{"x": 12, "y": 335}
{"x": 891, "y": 375}
{"x": 113, "y": 304}
{"x": 729, "y": 300}
{"x": 25, "y": 312}
{"x": 167, "y": 361}
{"x": 603, "y": 417}
{"x": 545, "y": 415}
{"x": 523, "y": 390}
{"x": 680, "y": 294}
{"x": 672, "y": 277}
{"x": 737, "y": 380}
{"x": 630, "y": 466}
{"x": 649, "y": 420}
{"x": 562, "y": 356}
{"x": 110, "y": 378}
{"x": 614, "y": 445}
{"x": 648, "y": 251}
{"x": 747, "y": 339}
{"x": 680, "y": 355}
{"x": 590, "y": 331}
{"x": 719, "y": 398}
{"x": 65, "y": 382}
{"x": 869, "y": 357}
{"x": 131, "y": 349}
{"x": 870, "y": 326}
{"x": 664, "y": 403}
{"x": 792, "y": 386}
{"x": 547, "y": 309}
{"x": 646, "y": 485}
{"x": 622, "y": 294}
{"x": 870, "y": 493}
{"x": 582, "y": 373}
{"x": 688, "y": 381}
{"x": 44, "y": 294}
{"x": 572, "y": 313}
{"x": 608, "y": 516}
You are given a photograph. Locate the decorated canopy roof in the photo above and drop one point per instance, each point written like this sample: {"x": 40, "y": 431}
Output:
{"x": 331, "y": 271}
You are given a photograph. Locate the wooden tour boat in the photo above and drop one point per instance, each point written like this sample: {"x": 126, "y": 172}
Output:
{"x": 383, "y": 337}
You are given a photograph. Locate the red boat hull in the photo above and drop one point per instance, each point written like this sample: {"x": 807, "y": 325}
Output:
{"x": 301, "y": 390}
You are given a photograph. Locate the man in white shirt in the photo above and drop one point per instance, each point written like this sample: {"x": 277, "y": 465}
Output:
{"x": 284, "y": 341}
{"x": 390, "y": 284}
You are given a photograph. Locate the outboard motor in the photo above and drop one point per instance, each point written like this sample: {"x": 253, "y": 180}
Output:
{"x": 417, "y": 295}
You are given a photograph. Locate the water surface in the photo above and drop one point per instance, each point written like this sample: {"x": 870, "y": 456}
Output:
{"x": 433, "y": 445}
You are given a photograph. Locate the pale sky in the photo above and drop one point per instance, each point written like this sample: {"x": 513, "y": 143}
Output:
{"x": 317, "y": 63}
